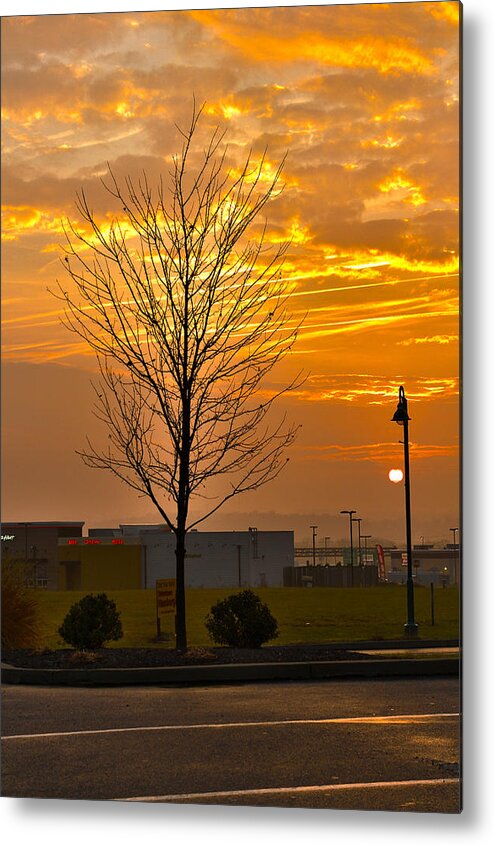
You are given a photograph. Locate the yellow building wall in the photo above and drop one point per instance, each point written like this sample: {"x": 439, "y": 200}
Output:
{"x": 102, "y": 567}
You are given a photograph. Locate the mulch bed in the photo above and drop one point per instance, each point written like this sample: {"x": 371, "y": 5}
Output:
{"x": 126, "y": 658}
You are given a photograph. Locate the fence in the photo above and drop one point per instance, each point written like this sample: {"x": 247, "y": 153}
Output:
{"x": 330, "y": 576}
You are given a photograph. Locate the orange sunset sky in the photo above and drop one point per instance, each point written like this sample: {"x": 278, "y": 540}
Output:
{"x": 364, "y": 100}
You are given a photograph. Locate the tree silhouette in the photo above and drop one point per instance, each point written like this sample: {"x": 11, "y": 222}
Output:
{"x": 187, "y": 316}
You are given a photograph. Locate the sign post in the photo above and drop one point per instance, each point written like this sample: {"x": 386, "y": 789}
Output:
{"x": 165, "y": 600}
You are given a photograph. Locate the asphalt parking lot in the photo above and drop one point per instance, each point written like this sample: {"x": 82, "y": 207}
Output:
{"x": 376, "y": 744}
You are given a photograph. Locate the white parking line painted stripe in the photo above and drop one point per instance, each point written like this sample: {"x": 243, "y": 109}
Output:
{"x": 326, "y": 787}
{"x": 406, "y": 717}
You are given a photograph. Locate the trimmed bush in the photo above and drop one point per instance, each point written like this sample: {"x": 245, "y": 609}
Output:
{"x": 241, "y": 621}
{"x": 21, "y": 626}
{"x": 91, "y": 622}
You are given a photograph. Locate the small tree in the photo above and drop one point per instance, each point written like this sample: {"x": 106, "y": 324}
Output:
{"x": 91, "y": 622}
{"x": 21, "y": 622}
{"x": 241, "y": 621}
{"x": 187, "y": 317}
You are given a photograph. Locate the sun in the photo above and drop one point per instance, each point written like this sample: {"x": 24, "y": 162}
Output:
{"x": 395, "y": 475}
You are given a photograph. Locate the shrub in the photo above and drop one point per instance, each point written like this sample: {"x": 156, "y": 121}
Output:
{"x": 241, "y": 621}
{"x": 91, "y": 622}
{"x": 21, "y": 625}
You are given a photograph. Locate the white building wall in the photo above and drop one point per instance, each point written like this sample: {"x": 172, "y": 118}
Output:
{"x": 430, "y": 565}
{"x": 230, "y": 559}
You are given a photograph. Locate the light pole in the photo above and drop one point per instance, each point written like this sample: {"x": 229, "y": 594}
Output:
{"x": 326, "y": 548}
{"x": 35, "y": 566}
{"x": 350, "y": 514}
{"x": 454, "y": 530}
{"x": 359, "y": 520}
{"x": 239, "y": 563}
{"x": 366, "y": 537}
{"x": 314, "y": 533}
{"x": 401, "y": 417}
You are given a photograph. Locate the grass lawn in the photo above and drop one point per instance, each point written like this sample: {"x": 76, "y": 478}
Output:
{"x": 320, "y": 614}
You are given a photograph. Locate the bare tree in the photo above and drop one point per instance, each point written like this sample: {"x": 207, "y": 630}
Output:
{"x": 187, "y": 316}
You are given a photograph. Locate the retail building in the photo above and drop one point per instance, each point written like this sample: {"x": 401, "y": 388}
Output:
{"x": 133, "y": 556}
{"x": 34, "y": 545}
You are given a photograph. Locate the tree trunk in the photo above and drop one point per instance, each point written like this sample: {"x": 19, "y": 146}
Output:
{"x": 180, "y": 624}
{"x": 182, "y": 512}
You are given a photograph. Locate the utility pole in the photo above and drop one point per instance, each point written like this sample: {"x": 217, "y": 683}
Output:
{"x": 359, "y": 520}
{"x": 35, "y": 566}
{"x": 326, "y": 548}
{"x": 454, "y": 530}
{"x": 350, "y": 514}
{"x": 366, "y": 537}
{"x": 314, "y": 527}
{"x": 239, "y": 553}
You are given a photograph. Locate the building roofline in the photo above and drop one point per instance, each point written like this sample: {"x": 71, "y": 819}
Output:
{"x": 22, "y": 523}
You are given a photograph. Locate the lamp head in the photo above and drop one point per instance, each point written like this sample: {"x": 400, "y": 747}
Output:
{"x": 400, "y": 416}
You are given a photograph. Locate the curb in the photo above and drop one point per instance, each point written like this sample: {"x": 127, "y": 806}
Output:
{"x": 232, "y": 673}
{"x": 402, "y": 644}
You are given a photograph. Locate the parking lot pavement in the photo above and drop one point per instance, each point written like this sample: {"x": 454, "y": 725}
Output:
{"x": 373, "y": 745}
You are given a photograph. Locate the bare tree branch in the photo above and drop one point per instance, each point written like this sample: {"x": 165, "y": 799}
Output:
{"x": 187, "y": 317}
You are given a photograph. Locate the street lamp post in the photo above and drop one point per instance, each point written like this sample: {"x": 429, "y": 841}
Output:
{"x": 454, "y": 530}
{"x": 239, "y": 563}
{"x": 350, "y": 514}
{"x": 314, "y": 532}
{"x": 366, "y": 537}
{"x": 401, "y": 417}
{"x": 359, "y": 520}
{"x": 35, "y": 566}
{"x": 326, "y": 548}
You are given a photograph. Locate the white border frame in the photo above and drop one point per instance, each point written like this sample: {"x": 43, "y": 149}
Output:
{"x": 57, "y": 821}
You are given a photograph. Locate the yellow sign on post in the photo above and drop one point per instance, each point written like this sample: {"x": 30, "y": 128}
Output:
{"x": 165, "y": 599}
